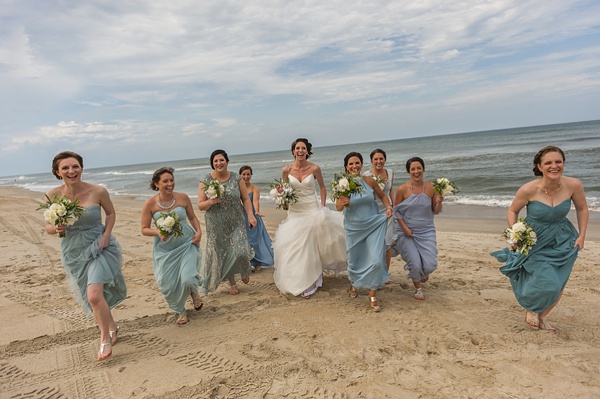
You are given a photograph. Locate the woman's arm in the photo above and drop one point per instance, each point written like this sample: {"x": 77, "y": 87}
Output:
{"x": 109, "y": 211}
{"x": 256, "y": 200}
{"x": 379, "y": 192}
{"x": 436, "y": 198}
{"x": 398, "y": 199}
{"x": 246, "y": 202}
{"x": 322, "y": 190}
{"x": 204, "y": 203}
{"x": 146, "y": 220}
{"x": 583, "y": 213}
{"x": 521, "y": 199}
{"x": 191, "y": 215}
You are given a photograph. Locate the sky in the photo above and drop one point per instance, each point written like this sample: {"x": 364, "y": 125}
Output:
{"x": 127, "y": 82}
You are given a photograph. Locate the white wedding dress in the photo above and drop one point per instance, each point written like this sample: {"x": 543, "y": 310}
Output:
{"x": 310, "y": 240}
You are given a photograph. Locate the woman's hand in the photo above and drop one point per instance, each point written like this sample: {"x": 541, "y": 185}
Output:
{"x": 407, "y": 232}
{"x": 251, "y": 221}
{"x": 344, "y": 201}
{"x": 163, "y": 237}
{"x": 388, "y": 212}
{"x": 196, "y": 238}
{"x": 260, "y": 214}
{"x": 59, "y": 229}
{"x": 579, "y": 243}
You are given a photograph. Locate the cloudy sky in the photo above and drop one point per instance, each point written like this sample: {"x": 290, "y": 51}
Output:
{"x": 125, "y": 82}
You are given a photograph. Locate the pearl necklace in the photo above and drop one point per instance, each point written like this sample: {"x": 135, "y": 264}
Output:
{"x": 166, "y": 206}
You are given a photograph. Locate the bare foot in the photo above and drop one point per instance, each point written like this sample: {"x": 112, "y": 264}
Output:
{"x": 246, "y": 279}
{"x": 544, "y": 325}
{"x": 197, "y": 301}
{"x": 531, "y": 318}
{"x": 233, "y": 290}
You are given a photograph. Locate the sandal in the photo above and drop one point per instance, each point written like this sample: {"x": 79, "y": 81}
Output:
{"x": 105, "y": 350}
{"x": 233, "y": 290}
{"x": 113, "y": 335}
{"x": 246, "y": 279}
{"x": 419, "y": 294}
{"x": 182, "y": 319}
{"x": 374, "y": 304}
{"x": 197, "y": 301}
{"x": 305, "y": 296}
{"x": 353, "y": 293}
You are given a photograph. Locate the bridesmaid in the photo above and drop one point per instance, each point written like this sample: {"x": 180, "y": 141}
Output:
{"x": 538, "y": 279}
{"x": 258, "y": 237}
{"x": 378, "y": 160}
{"x": 365, "y": 233}
{"x": 227, "y": 250}
{"x": 91, "y": 256}
{"x": 415, "y": 204}
{"x": 176, "y": 260}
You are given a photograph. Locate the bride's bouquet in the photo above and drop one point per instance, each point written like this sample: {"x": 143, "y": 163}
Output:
{"x": 168, "y": 224}
{"x": 445, "y": 187}
{"x": 283, "y": 194}
{"x": 344, "y": 185}
{"x": 520, "y": 236}
{"x": 213, "y": 189}
{"x": 61, "y": 211}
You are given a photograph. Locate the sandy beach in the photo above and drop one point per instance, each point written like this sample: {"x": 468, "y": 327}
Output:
{"x": 468, "y": 339}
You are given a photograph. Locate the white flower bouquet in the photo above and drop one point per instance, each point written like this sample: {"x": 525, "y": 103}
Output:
{"x": 381, "y": 182}
{"x": 214, "y": 189}
{"x": 521, "y": 236}
{"x": 61, "y": 211}
{"x": 445, "y": 187}
{"x": 169, "y": 224}
{"x": 283, "y": 194}
{"x": 344, "y": 185}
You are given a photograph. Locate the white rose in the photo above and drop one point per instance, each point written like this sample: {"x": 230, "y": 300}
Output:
{"x": 519, "y": 227}
{"x": 273, "y": 193}
{"x": 50, "y": 216}
{"x": 447, "y": 191}
{"x": 221, "y": 189}
{"x": 533, "y": 236}
{"x": 169, "y": 222}
{"x": 70, "y": 221}
{"x": 211, "y": 192}
{"x": 59, "y": 209}
{"x": 343, "y": 184}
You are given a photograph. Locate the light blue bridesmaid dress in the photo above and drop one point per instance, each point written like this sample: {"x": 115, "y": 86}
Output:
{"x": 86, "y": 262}
{"x": 365, "y": 241}
{"x": 176, "y": 264}
{"x": 420, "y": 251}
{"x": 259, "y": 240}
{"x": 538, "y": 278}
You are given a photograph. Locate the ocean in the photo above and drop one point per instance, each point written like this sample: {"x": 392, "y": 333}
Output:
{"x": 488, "y": 167}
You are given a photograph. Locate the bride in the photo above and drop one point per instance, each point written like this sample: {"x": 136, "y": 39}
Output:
{"x": 312, "y": 238}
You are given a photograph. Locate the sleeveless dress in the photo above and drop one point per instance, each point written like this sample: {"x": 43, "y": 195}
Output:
{"x": 227, "y": 249}
{"x": 86, "y": 262}
{"x": 392, "y": 224}
{"x": 259, "y": 240}
{"x": 365, "y": 241}
{"x": 537, "y": 279}
{"x": 176, "y": 264}
{"x": 310, "y": 240}
{"x": 420, "y": 251}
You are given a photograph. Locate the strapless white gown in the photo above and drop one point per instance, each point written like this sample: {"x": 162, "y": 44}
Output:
{"x": 310, "y": 240}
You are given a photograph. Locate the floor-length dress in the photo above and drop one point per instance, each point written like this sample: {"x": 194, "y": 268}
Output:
{"x": 538, "y": 278}
{"x": 227, "y": 249}
{"x": 177, "y": 264}
{"x": 310, "y": 240}
{"x": 86, "y": 262}
{"x": 259, "y": 240}
{"x": 392, "y": 224}
{"x": 419, "y": 251}
{"x": 365, "y": 241}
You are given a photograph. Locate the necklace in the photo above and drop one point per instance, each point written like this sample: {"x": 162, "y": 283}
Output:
{"x": 551, "y": 193}
{"x": 166, "y": 206}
